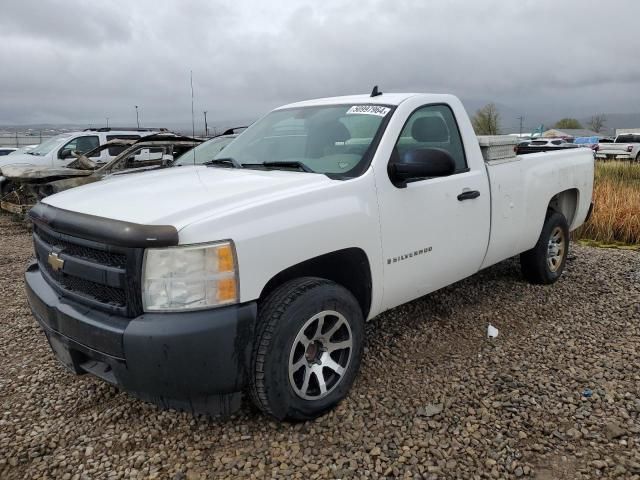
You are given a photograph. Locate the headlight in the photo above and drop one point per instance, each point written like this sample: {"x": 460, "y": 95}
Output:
{"x": 190, "y": 277}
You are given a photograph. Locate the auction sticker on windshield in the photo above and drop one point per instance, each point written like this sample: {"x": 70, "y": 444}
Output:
{"x": 368, "y": 110}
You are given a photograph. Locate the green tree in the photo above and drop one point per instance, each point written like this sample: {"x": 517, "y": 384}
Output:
{"x": 568, "y": 123}
{"x": 486, "y": 121}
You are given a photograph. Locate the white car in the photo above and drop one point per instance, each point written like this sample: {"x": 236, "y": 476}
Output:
{"x": 205, "y": 151}
{"x": 58, "y": 151}
{"x": 256, "y": 272}
{"x": 4, "y": 151}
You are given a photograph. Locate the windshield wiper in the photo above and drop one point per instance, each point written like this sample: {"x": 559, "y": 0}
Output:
{"x": 282, "y": 163}
{"x": 224, "y": 161}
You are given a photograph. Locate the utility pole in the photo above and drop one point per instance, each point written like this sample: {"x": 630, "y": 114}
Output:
{"x": 521, "y": 118}
{"x": 107, "y": 122}
{"x": 193, "y": 118}
{"x": 206, "y": 127}
{"x": 137, "y": 118}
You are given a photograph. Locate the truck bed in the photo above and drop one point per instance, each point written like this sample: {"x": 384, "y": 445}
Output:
{"x": 521, "y": 190}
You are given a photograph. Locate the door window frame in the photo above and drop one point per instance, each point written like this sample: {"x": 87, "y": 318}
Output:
{"x": 455, "y": 120}
{"x": 75, "y": 139}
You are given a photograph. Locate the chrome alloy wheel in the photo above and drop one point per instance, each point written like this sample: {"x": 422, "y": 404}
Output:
{"x": 556, "y": 249}
{"x": 320, "y": 355}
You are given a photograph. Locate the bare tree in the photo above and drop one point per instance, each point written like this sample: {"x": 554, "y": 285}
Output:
{"x": 486, "y": 121}
{"x": 597, "y": 122}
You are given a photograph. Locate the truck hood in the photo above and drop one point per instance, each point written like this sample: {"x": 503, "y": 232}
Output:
{"x": 183, "y": 195}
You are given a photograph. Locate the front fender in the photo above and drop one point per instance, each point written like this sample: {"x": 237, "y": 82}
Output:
{"x": 279, "y": 234}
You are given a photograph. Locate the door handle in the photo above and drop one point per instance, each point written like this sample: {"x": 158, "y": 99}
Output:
{"x": 469, "y": 195}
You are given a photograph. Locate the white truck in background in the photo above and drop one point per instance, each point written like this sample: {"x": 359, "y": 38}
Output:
{"x": 257, "y": 271}
{"x": 626, "y": 146}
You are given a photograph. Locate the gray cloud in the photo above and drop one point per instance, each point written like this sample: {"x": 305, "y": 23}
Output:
{"x": 80, "y": 62}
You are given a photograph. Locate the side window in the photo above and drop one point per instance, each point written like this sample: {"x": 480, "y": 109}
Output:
{"x": 118, "y": 149}
{"x": 83, "y": 144}
{"x": 433, "y": 126}
{"x": 141, "y": 157}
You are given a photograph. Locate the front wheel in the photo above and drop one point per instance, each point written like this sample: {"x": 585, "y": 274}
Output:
{"x": 308, "y": 349}
{"x": 544, "y": 263}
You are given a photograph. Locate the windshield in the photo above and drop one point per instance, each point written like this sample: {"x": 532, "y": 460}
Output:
{"x": 628, "y": 138}
{"x": 324, "y": 139}
{"x": 48, "y": 145}
{"x": 205, "y": 151}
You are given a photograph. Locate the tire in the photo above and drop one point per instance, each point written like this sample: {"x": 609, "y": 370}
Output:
{"x": 285, "y": 374}
{"x": 544, "y": 263}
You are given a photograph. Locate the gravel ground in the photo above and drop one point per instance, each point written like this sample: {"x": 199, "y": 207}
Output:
{"x": 435, "y": 398}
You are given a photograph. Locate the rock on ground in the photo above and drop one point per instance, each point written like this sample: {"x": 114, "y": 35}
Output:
{"x": 435, "y": 398}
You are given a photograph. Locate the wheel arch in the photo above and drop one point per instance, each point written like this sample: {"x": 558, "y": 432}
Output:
{"x": 348, "y": 267}
{"x": 566, "y": 203}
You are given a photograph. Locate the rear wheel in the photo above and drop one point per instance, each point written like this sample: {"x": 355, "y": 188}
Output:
{"x": 308, "y": 349}
{"x": 544, "y": 263}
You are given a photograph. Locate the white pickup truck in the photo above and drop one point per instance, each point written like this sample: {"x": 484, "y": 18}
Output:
{"x": 257, "y": 271}
{"x": 626, "y": 146}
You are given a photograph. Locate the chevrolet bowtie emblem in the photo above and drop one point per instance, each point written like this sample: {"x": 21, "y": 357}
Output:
{"x": 55, "y": 261}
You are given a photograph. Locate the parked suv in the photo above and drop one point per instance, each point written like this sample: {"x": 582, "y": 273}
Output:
{"x": 58, "y": 151}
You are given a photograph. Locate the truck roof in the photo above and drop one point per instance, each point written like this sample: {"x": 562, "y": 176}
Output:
{"x": 383, "y": 99}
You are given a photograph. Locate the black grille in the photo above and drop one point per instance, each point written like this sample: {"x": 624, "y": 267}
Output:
{"x": 102, "y": 257}
{"x": 99, "y": 275}
{"x": 88, "y": 289}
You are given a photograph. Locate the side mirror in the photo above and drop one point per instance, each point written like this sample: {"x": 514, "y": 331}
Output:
{"x": 421, "y": 163}
{"x": 65, "y": 154}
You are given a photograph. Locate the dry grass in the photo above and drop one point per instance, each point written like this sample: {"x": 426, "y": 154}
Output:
{"x": 616, "y": 215}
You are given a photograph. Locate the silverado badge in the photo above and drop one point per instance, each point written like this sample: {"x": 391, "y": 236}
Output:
{"x": 55, "y": 261}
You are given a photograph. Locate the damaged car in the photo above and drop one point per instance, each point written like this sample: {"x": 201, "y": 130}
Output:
{"x": 22, "y": 187}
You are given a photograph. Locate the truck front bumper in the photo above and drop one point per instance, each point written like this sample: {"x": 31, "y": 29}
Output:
{"x": 196, "y": 361}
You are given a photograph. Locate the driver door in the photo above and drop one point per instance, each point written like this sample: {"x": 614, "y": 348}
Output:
{"x": 432, "y": 236}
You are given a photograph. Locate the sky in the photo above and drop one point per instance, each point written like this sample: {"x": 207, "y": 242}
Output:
{"x": 79, "y": 62}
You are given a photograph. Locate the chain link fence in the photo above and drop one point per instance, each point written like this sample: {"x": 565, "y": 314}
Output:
{"x": 21, "y": 140}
